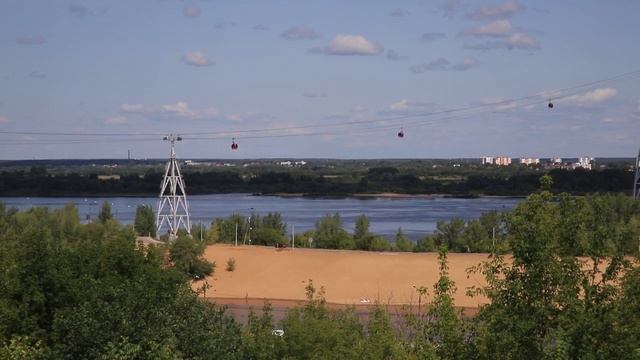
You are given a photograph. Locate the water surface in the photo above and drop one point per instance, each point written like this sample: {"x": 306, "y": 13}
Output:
{"x": 416, "y": 216}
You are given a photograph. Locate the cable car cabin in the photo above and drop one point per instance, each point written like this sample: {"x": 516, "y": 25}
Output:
{"x": 550, "y": 105}
{"x": 234, "y": 145}
{"x": 401, "y": 133}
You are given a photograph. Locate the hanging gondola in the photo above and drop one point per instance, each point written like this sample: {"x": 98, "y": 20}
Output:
{"x": 550, "y": 105}
{"x": 401, "y": 133}
{"x": 234, "y": 145}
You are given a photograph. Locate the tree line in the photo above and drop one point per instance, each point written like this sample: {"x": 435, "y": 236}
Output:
{"x": 614, "y": 219}
{"x": 467, "y": 182}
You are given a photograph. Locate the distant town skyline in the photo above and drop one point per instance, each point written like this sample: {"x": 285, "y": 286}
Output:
{"x": 336, "y": 79}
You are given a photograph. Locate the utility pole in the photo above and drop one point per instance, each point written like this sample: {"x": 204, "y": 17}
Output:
{"x": 494, "y": 236}
{"x": 173, "y": 209}
{"x": 236, "y": 234}
{"x": 636, "y": 181}
{"x": 293, "y": 236}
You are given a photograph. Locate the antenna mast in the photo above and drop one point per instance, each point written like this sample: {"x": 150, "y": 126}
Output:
{"x": 173, "y": 209}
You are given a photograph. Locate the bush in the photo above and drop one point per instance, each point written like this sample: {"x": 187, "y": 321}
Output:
{"x": 231, "y": 264}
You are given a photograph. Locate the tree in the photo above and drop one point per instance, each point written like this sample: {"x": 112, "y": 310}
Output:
{"x": 145, "y": 222}
{"x": 475, "y": 238}
{"x": 402, "y": 242}
{"x": 380, "y": 243}
{"x": 186, "y": 255}
{"x": 450, "y": 234}
{"x": 105, "y": 212}
{"x": 213, "y": 233}
{"x": 362, "y": 227}
{"x": 273, "y": 221}
{"x": 427, "y": 244}
{"x": 267, "y": 236}
{"x": 329, "y": 234}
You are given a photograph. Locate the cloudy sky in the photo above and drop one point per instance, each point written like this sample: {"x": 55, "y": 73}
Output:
{"x": 319, "y": 78}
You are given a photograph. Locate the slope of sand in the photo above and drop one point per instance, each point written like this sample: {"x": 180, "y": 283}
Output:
{"x": 348, "y": 277}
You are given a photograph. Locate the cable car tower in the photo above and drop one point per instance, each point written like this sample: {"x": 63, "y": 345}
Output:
{"x": 636, "y": 181}
{"x": 173, "y": 209}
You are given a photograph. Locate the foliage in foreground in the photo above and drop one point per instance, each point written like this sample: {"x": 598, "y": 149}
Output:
{"x": 73, "y": 291}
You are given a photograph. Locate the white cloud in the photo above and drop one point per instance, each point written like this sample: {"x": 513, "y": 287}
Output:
{"x": 3, "y": 119}
{"x": 300, "y": 33}
{"x": 352, "y": 45}
{"x": 197, "y": 58}
{"x": 589, "y": 98}
{"x": 405, "y": 106}
{"x": 260, "y": 27}
{"x": 466, "y": 64}
{"x": 504, "y": 10}
{"x": 31, "y": 40}
{"x": 522, "y": 40}
{"x": 116, "y": 120}
{"x": 192, "y": 11}
{"x": 180, "y": 109}
{"x": 498, "y": 28}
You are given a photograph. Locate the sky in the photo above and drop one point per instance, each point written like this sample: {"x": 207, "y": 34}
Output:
{"x": 319, "y": 79}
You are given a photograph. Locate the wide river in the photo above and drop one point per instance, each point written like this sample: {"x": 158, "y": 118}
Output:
{"x": 416, "y": 216}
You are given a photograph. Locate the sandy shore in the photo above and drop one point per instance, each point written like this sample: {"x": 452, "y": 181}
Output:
{"x": 348, "y": 277}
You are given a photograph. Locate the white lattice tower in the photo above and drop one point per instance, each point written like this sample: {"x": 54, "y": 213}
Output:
{"x": 173, "y": 209}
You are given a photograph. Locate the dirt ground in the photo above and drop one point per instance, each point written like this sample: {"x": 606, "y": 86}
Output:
{"x": 349, "y": 277}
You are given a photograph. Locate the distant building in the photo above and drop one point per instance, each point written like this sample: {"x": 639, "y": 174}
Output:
{"x": 529, "y": 161}
{"x": 584, "y": 162}
{"x": 109, "y": 177}
{"x": 502, "y": 161}
{"x": 556, "y": 160}
{"x": 290, "y": 163}
{"x": 487, "y": 160}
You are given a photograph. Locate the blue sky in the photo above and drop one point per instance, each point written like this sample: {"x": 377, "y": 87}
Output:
{"x": 212, "y": 70}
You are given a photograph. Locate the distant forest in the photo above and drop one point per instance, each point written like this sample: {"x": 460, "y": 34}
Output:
{"x": 463, "y": 181}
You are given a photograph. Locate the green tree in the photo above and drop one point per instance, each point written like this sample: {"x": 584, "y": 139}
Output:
{"x": 362, "y": 227}
{"x": 267, "y": 236}
{"x": 426, "y": 244}
{"x": 273, "y": 221}
{"x": 186, "y": 255}
{"x": 380, "y": 243}
{"x": 105, "y": 212}
{"x": 329, "y": 234}
{"x": 450, "y": 234}
{"x": 213, "y": 233}
{"x": 402, "y": 242}
{"x": 145, "y": 222}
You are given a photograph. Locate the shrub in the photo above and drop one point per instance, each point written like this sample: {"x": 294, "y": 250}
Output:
{"x": 231, "y": 264}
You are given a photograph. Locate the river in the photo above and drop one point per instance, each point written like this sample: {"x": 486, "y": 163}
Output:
{"x": 416, "y": 216}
